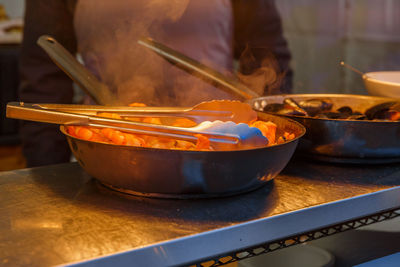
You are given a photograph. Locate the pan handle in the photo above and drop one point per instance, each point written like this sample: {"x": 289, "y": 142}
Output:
{"x": 30, "y": 112}
{"x": 77, "y": 72}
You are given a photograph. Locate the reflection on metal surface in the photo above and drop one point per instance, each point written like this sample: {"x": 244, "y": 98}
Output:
{"x": 97, "y": 223}
{"x": 35, "y": 223}
{"x": 159, "y": 250}
{"x": 188, "y": 196}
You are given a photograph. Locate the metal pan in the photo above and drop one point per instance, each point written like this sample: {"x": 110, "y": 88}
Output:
{"x": 326, "y": 140}
{"x": 185, "y": 174}
{"x": 344, "y": 141}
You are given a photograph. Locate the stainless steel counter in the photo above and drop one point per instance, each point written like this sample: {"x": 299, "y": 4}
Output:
{"x": 58, "y": 215}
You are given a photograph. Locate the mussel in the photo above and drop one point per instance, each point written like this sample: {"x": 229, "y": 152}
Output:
{"x": 384, "y": 111}
{"x": 315, "y": 106}
{"x": 288, "y": 107}
{"x": 345, "y": 110}
{"x": 322, "y": 108}
{"x": 290, "y": 103}
{"x": 309, "y": 107}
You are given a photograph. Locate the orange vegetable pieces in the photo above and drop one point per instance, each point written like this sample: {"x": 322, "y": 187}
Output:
{"x": 180, "y": 144}
{"x": 288, "y": 136}
{"x": 151, "y": 120}
{"x": 71, "y": 130}
{"x": 157, "y": 142}
{"x": 97, "y": 137}
{"x": 166, "y": 143}
{"x": 267, "y": 128}
{"x": 116, "y": 137}
{"x": 107, "y": 132}
{"x": 393, "y": 115}
{"x": 183, "y": 122}
{"x": 109, "y": 115}
{"x": 202, "y": 142}
{"x": 83, "y": 133}
{"x": 109, "y": 135}
{"x": 133, "y": 119}
{"x": 280, "y": 140}
{"x": 137, "y": 105}
{"x": 132, "y": 140}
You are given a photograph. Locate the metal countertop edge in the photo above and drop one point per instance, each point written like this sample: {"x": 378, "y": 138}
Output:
{"x": 222, "y": 241}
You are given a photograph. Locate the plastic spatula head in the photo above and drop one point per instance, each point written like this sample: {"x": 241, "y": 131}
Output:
{"x": 248, "y": 137}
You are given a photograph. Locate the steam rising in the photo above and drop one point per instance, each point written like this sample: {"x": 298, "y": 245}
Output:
{"x": 107, "y": 33}
{"x": 172, "y": 9}
{"x": 265, "y": 79}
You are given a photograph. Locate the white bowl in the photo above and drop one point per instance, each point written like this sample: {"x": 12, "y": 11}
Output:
{"x": 383, "y": 83}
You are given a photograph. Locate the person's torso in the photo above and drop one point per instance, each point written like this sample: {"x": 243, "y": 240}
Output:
{"x": 107, "y": 34}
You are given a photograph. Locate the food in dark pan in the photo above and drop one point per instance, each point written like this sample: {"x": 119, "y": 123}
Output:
{"x": 384, "y": 111}
{"x": 107, "y": 135}
{"x": 185, "y": 172}
{"x": 163, "y": 165}
{"x": 323, "y": 108}
{"x": 341, "y": 128}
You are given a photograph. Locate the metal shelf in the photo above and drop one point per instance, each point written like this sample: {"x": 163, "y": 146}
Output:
{"x": 58, "y": 215}
{"x": 298, "y": 239}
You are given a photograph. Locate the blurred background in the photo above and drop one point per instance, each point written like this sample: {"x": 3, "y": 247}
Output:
{"x": 363, "y": 33}
{"x": 11, "y": 13}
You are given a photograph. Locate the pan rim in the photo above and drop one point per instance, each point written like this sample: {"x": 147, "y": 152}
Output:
{"x": 299, "y": 125}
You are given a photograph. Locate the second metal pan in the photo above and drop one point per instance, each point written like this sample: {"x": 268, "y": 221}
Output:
{"x": 344, "y": 141}
{"x": 185, "y": 174}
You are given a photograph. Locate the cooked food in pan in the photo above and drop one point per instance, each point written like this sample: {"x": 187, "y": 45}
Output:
{"x": 323, "y": 108}
{"x": 111, "y": 136}
{"x": 341, "y": 127}
{"x": 182, "y": 173}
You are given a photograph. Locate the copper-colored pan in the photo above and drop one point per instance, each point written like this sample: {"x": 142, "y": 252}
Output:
{"x": 185, "y": 174}
{"x": 344, "y": 141}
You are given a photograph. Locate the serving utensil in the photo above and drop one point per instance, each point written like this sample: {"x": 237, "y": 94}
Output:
{"x": 223, "y": 135}
{"x": 223, "y": 110}
{"x": 77, "y": 72}
{"x": 352, "y": 68}
{"x": 199, "y": 70}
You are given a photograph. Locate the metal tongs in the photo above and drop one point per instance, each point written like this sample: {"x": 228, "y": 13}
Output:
{"x": 223, "y": 110}
{"x": 222, "y": 135}
{"x": 104, "y": 96}
{"x": 199, "y": 70}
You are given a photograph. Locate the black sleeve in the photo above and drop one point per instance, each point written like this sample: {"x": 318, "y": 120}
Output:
{"x": 41, "y": 81}
{"x": 258, "y": 35}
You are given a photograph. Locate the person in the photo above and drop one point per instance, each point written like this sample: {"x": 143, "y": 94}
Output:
{"x": 105, "y": 33}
